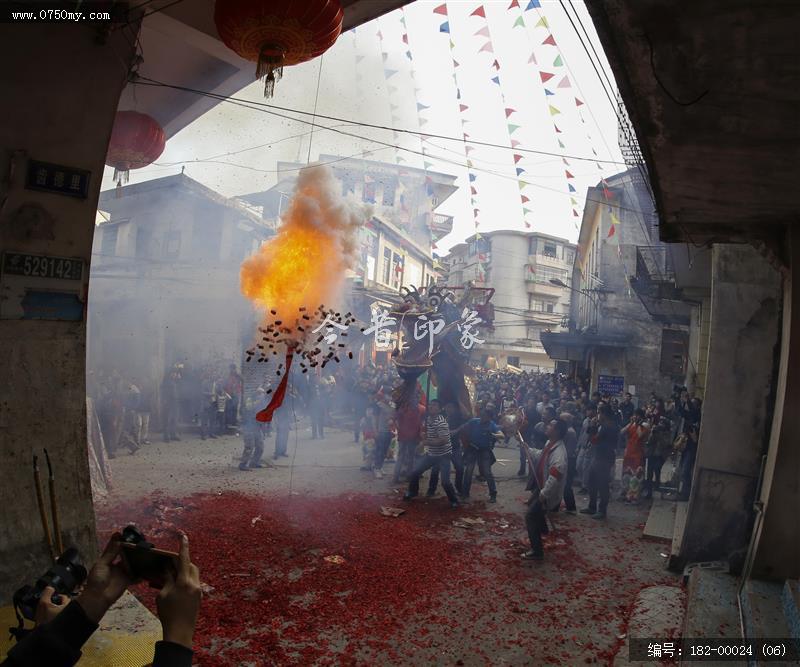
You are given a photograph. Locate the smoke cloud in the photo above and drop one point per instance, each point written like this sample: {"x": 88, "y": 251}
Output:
{"x": 304, "y": 265}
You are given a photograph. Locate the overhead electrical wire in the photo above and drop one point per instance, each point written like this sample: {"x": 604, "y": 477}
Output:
{"x": 630, "y": 138}
{"x": 146, "y": 14}
{"x": 608, "y": 91}
{"x": 141, "y": 79}
{"x": 255, "y": 106}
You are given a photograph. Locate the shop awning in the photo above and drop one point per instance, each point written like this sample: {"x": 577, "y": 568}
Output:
{"x": 573, "y": 346}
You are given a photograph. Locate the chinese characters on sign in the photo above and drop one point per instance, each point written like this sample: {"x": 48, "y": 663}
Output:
{"x": 58, "y": 179}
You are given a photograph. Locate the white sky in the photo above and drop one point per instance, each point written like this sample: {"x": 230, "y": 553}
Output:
{"x": 354, "y": 86}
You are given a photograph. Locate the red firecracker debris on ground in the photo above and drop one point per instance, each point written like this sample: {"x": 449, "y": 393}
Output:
{"x": 330, "y": 581}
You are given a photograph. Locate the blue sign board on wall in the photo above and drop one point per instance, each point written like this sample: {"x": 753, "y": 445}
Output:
{"x": 613, "y": 385}
{"x": 40, "y": 305}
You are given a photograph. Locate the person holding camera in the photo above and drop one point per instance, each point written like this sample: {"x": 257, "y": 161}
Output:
{"x": 64, "y": 626}
{"x": 636, "y": 433}
{"x": 603, "y": 436}
{"x": 656, "y": 451}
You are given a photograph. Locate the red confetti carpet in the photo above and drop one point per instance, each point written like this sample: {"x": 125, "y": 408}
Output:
{"x": 400, "y": 591}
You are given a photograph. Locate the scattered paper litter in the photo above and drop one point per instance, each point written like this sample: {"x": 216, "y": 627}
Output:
{"x": 392, "y": 511}
{"x": 255, "y": 520}
{"x": 338, "y": 560}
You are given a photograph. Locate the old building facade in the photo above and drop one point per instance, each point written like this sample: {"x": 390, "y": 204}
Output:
{"x": 519, "y": 267}
{"x": 397, "y": 243}
{"x": 612, "y": 339}
{"x": 165, "y": 278}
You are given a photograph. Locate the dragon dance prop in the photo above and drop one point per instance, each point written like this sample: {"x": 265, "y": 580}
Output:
{"x": 448, "y": 362}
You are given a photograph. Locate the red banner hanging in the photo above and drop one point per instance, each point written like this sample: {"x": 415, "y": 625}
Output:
{"x": 266, "y": 414}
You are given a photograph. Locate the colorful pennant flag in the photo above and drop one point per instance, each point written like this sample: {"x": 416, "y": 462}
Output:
{"x": 445, "y": 27}
{"x": 550, "y": 40}
{"x": 558, "y": 62}
{"x": 519, "y": 22}
{"x": 546, "y": 76}
{"x": 542, "y": 23}
{"x": 564, "y": 83}
{"x": 484, "y": 32}
{"x": 509, "y": 111}
{"x": 553, "y": 110}
{"x": 479, "y": 12}
{"x": 513, "y": 128}
{"x": 533, "y": 4}
{"x": 441, "y": 9}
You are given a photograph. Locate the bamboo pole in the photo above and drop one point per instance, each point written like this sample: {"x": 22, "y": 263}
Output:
{"x": 37, "y": 480}
{"x": 51, "y": 481}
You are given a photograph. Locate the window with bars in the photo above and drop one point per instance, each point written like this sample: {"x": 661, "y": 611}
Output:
{"x": 108, "y": 241}
{"x": 387, "y": 266}
{"x": 674, "y": 352}
{"x": 172, "y": 245}
{"x": 550, "y": 250}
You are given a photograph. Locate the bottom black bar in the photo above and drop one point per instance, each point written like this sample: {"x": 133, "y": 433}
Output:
{"x": 657, "y": 650}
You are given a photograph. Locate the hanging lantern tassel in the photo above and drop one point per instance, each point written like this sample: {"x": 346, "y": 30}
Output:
{"x": 121, "y": 176}
{"x": 278, "y": 33}
{"x": 270, "y": 67}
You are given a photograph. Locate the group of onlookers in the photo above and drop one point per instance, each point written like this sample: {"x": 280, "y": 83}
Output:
{"x": 128, "y": 407}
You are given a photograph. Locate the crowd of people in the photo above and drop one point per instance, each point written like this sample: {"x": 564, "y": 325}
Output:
{"x": 127, "y": 407}
{"x": 567, "y": 437}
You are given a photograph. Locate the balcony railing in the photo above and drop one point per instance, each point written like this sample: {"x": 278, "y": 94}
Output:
{"x": 654, "y": 283}
{"x": 653, "y": 263}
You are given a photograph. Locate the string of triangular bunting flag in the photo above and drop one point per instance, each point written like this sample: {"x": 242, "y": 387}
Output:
{"x": 485, "y": 32}
{"x": 462, "y": 109}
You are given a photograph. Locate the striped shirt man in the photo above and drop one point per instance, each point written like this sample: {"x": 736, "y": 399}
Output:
{"x": 437, "y": 431}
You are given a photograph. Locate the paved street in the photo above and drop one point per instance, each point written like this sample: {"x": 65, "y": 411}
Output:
{"x": 320, "y": 577}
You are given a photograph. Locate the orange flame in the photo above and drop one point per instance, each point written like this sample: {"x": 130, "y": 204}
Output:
{"x": 304, "y": 265}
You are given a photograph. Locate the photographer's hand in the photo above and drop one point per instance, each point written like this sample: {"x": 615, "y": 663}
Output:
{"x": 106, "y": 582}
{"x": 178, "y": 603}
{"x": 47, "y": 610}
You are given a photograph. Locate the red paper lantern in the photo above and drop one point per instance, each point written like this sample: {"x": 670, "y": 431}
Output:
{"x": 136, "y": 141}
{"x": 276, "y": 33}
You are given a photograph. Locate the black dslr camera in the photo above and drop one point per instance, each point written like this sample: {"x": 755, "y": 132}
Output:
{"x": 66, "y": 576}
